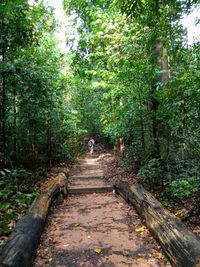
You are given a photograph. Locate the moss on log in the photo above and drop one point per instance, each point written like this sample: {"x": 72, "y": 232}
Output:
{"x": 179, "y": 243}
{"x": 21, "y": 248}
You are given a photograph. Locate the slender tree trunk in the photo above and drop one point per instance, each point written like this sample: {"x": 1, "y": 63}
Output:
{"x": 1, "y": 119}
{"x": 15, "y": 121}
{"x": 142, "y": 135}
{"x": 121, "y": 145}
{"x": 49, "y": 141}
{"x": 34, "y": 146}
{"x": 160, "y": 57}
{"x": 4, "y": 113}
{"x": 142, "y": 128}
{"x": 121, "y": 140}
{"x": 3, "y": 96}
{"x": 155, "y": 126}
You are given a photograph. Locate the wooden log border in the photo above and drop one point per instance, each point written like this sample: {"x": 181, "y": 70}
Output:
{"x": 179, "y": 243}
{"x": 21, "y": 248}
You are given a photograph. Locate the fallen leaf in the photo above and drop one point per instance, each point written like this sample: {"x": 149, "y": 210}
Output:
{"x": 141, "y": 260}
{"x": 98, "y": 250}
{"x": 48, "y": 260}
{"x": 182, "y": 213}
{"x": 140, "y": 230}
{"x": 158, "y": 255}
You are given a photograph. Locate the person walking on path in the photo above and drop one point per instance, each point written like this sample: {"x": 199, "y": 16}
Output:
{"x": 91, "y": 143}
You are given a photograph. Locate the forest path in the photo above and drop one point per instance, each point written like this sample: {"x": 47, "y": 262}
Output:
{"x": 88, "y": 176}
{"x": 96, "y": 229}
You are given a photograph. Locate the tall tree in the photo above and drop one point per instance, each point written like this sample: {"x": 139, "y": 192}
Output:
{"x": 158, "y": 16}
{"x": 19, "y": 28}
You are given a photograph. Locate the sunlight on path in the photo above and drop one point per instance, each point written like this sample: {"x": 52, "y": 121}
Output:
{"x": 96, "y": 230}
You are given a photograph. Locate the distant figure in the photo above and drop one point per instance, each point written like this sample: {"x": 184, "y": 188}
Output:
{"x": 91, "y": 143}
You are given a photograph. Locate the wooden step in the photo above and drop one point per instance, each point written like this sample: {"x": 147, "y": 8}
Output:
{"x": 86, "y": 182}
{"x": 79, "y": 177}
{"x": 90, "y": 189}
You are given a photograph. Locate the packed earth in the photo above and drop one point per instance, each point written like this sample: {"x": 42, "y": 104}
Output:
{"x": 97, "y": 229}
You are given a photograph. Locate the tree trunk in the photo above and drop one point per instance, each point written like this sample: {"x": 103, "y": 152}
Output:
{"x": 121, "y": 145}
{"x": 155, "y": 126}
{"x": 3, "y": 95}
{"x": 162, "y": 59}
{"x": 116, "y": 150}
{"x": 4, "y": 114}
{"x": 179, "y": 243}
{"x": 142, "y": 127}
{"x": 20, "y": 250}
{"x": 14, "y": 122}
{"x": 121, "y": 139}
{"x": 49, "y": 143}
{"x": 34, "y": 145}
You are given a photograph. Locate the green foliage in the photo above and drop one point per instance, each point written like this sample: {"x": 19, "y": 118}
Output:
{"x": 13, "y": 202}
{"x": 64, "y": 152}
{"x": 180, "y": 105}
{"x": 38, "y": 117}
{"x": 168, "y": 203}
{"x": 13, "y": 177}
{"x": 110, "y": 84}
{"x": 174, "y": 180}
{"x": 183, "y": 187}
{"x": 120, "y": 70}
{"x": 152, "y": 173}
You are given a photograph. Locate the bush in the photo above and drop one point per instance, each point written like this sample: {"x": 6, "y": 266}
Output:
{"x": 178, "y": 178}
{"x": 183, "y": 187}
{"x": 13, "y": 202}
{"x": 133, "y": 155}
{"x": 63, "y": 153}
{"x": 152, "y": 173}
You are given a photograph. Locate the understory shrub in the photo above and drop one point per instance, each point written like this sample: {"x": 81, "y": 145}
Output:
{"x": 172, "y": 179}
{"x": 152, "y": 173}
{"x": 183, "y": 187}
{"x": 132, "y": 156}
{"x": 14, "y": 200}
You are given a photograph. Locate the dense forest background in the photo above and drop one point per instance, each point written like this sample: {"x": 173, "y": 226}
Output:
{"x": 129, "y": 79}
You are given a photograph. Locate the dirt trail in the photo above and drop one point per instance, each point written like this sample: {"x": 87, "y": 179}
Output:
{"x": 96, "y": 229}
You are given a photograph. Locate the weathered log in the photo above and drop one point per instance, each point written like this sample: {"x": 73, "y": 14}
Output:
{"x": 179, "y": 243}
{"x": 21, "y": 248}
